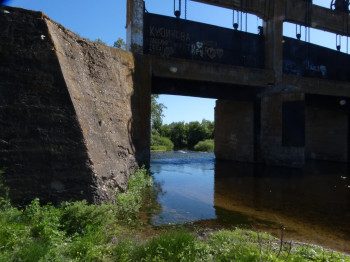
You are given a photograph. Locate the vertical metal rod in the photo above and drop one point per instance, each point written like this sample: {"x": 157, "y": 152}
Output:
{"x": 233, "y": 17}
{"x": 185, "y": 9}
{"x": 241, "y": 20}
{"x": 246, "y": 22}
{"x": 336, "y": 40}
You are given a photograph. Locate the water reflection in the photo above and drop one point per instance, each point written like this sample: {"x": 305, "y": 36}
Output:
{"x": 313, "y": 203}
{"x": 187, "y": 184}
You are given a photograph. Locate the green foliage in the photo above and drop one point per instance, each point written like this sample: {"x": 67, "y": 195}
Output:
{"x": 159, "y": 148}
{"x": 195, "y": 133}
{"x": 4, "y": 191}
{"x": 161, "y": 142}
{"x": 205, "y": 146}
{"x": 128, "y": 204}
{"x": 208, "y": 128}
{"x": 78, "y": 231}
{"x": 188, "y": 135}
{"x": 99, "y": 41}
{"x": 165, "y": 131}
{"x": 80, "y": 217}
{"x": 178, "y": 134}
{"x": 238, "y": 245}
{"x": 156, "y": 114}
{"x": 176, "y": 246}
{"x": 120, "y": 43}
{"x": 182, "y": 135}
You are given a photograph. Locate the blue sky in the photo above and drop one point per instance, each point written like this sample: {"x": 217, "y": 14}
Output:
{"x": 106, "y": 19}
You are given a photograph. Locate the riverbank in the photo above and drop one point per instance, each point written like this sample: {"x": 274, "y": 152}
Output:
{"x": 118, "y": 231}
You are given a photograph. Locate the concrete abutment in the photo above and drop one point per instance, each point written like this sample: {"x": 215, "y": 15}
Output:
{"x": 74, "y": 115}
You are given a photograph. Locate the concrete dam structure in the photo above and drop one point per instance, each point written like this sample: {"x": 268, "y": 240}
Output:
{"x": 73, "y": 120}
{"x": 75, "y": 115}
{"x": 280, "y": 101}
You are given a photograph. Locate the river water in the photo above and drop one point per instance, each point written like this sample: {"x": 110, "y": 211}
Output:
{"x": 313, "y": 203}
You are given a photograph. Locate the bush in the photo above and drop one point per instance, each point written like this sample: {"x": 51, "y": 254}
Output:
{"x": 75, "y": 231}
{"x": 205, "y": 146}
{"x": 159, "y": 148}
{"x": 128, "y": 204}
{"x": 165, "y": 142}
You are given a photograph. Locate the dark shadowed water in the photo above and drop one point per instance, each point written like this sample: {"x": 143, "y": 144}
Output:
{"x": 312, "y": 203}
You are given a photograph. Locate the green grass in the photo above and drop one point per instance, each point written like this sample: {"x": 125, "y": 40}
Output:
{"x": 205, "y": 146}
{"x": 238, "y": 245}
{"x": 159, "y": 149}
{"x": 77, "y": 231}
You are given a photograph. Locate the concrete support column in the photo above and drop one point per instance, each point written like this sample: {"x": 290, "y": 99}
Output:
{"x": 140, "y": 127}
{"x": 234, "y": 130}
{"x": 273, "y": 30}
{"x": 134, "y": 25}
{"x": 283, "y": 129}
{"x": 326, "y": 134}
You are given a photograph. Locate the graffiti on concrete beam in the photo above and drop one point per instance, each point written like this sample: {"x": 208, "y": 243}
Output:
{"x": 171, "y": 37}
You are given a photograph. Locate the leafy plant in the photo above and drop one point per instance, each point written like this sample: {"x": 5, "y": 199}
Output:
{"x": 205, "y": 146}
{"x": 120, "y": 43}
{"x": 99, "y": 41}
{"x": 161, "y": 143}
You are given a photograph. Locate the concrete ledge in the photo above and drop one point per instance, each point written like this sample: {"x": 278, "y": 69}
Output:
{"x": 201, "y": 71}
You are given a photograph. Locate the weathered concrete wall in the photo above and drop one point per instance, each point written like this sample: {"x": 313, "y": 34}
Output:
{"x": 67, "y": 129}
{"x": 326, "y": 134}
{"x": 234, "y": 130}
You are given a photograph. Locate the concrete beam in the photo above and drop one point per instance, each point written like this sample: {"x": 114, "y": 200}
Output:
{"x": 202, "y": 71}
{"x": 310, "y": 85}
{"x": 260, "y": 8}
{"x": 295, "y": 12}
{"x": 319, "y": 17}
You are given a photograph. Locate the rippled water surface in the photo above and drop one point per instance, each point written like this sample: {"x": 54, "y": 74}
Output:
{"x": 312, "y": 203}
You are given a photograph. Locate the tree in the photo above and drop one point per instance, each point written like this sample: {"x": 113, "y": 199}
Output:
{"x": 196, "y": 133}
{"x": 178, "y": 134}
{"x": 156, "y": 114}
{"x": 120, "y": 43}
{"x": 99, "y": 41}
{"x": 165, "y": 131}
{"x": 208, "y": 127}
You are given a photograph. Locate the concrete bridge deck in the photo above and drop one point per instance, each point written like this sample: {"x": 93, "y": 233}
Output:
{"x": 280, "y": 100}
